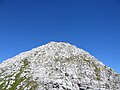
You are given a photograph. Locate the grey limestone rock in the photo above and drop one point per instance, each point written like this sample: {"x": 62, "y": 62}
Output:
{"x": 57, "y": 66}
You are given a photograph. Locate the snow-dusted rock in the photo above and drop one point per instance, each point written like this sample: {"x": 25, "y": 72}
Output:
{"x": 57, "y": 66}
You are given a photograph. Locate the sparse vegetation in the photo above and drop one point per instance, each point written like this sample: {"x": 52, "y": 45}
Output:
{"x": 105, "y": 66}
{"x": 55, "y": 67}
{"x": 96, "y": 68}
{"x": 116, "y": 75}
{"x": 111, "y": 69}
{"x": 97, "y": 71}
{"x": 98, "y": 76}
{"x": 87, "y": 60}
{"x": 18, "y": 79}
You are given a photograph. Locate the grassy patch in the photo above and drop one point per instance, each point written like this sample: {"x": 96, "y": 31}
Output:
{"x": 18, "y": 79}
{"x": 98, "y": 76}
{"x": 97, "y": 71}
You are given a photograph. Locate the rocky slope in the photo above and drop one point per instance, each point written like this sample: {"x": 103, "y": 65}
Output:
{"x": 57, "y": 66}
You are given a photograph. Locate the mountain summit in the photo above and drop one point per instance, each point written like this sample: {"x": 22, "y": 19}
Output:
{"x": 57, "y": 66}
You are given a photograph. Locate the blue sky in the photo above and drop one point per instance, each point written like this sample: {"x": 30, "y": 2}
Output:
{"x": 93, "y": 25}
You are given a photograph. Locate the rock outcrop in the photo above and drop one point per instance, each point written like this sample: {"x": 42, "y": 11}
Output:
{"x": 57, "y": 66}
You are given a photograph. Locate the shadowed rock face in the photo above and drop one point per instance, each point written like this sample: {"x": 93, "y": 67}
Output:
{"x": 57, "y": 66}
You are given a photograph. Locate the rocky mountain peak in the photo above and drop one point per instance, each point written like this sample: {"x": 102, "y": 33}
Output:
{"x": 57, "y": 66}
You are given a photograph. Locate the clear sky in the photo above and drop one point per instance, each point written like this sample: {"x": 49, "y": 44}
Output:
{"x": 93, "y": 25}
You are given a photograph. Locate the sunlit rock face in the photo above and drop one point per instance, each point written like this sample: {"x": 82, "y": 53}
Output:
{"x": 57, "y": 66}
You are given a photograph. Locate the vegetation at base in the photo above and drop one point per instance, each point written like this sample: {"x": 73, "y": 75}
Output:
{"x": 32, "y": 85}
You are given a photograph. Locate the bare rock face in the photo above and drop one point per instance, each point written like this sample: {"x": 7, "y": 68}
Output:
{"x": 57, "y": 66}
